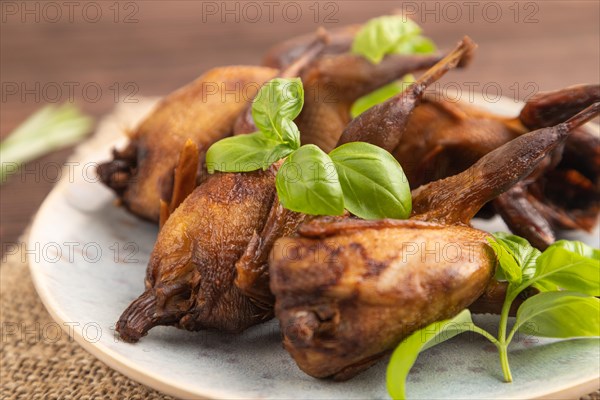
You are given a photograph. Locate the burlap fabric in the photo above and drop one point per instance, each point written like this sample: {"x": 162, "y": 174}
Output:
{"x": 37, "y": 361}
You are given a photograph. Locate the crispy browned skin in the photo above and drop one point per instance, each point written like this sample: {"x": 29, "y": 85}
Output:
{"x": 348, "y": 297}
{"x": 190, "y": 274}
{"x": 334, "y": 82}
{"x": 457, "y": 199}
{"x": 574, "y": 185}
{"x": 522, "y": 214}
{"x": 203, "y": 111}
{"x": 252, "y": 268}
{"x": 185, "y": 289}
{"x": 348, "y": 291}
{"x": 566, "y": 193}
{"x": 384, "y": 124}
{"x": 142, "y": 173}
{"x": 443, "y": 139}
{"x": 551, "y": 108}
{"x": 184, "y": 180}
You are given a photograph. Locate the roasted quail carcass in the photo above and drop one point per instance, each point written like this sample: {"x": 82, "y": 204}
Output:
{"x": 444, "y": 138}
{"x": 347, "y": 292}
{"x": 214, "y": 106}
{"x": 383, "y": 125}
{"x": 564, "y": 194}
{"x": 163, "y": 161}
{"x": 142, "y": 174}
{"x": 190, "y": 274}
{"x": 191, "y": 279}
{"x": 333, "y": 82}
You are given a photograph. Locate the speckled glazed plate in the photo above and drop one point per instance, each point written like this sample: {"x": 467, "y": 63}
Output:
{"x": 89, "y": 265}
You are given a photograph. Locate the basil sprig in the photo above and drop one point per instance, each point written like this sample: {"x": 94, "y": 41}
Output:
{"x": 372, "y": 181}
{"x": 394, "y": 34}
{"x": 275, "y": 106}
{"x": 405, "y": 355}
{"x": 360, "y": 177}
{"x": 388, "y": 35}
{"x": 567, "y": 274}
{"x": 308, "y": 181}
{"x": 380, "y": 95}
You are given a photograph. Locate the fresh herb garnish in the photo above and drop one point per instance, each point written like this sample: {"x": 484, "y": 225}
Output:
{"x": 554, "y": 312}
{"x": 405, "y": 355}
{"x": 276, "y": 105}
{"x": 48, "y": 129}
{"x": 391, "y": 34}
{"x": 394, "y": 34}
{"x": 360, "y": 177}
{"x": 241, "y": 153}
{"x": 380, "y": 95}
{"x": 307, "y": 180}
{"x": 372, "y": 181}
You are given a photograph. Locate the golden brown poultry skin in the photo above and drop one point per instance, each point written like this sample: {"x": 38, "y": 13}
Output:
{"x": 190, "y": 273}
{"x": 208, "y": 109}
{"x": 334, "y": 82}
{"x": 203, "y": 111}
{"x": 336, "y": 79}
{"x": 242, "y": 272}
{"x": 443, "y": 138}
{"x": 348, "y": 291}
{"x": 370, "y": 284}
{"x": 252, "y": 269}
{"x": 382, "y": 125}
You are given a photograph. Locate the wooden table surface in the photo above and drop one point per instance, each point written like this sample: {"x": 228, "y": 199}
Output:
{"x": 52, "y": 51}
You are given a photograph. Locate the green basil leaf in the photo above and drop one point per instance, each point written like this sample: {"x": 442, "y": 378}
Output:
{"x": 569, "y": 265}
{"x": 241, "y": 153}
{"x": 276, "y": 105}
{"x": 372, "y": 181}
{"x": 405, "y": 355}
{"x": 524, "y": 254}
{"x": 545, "y": 286}
{"x": 276, "y": 153}
{"x": 291, "y": 133}
{"x": 307, "y": 182}
{"x": 509, "y": 269}
{"x": 415, "y": 44}
{"x": 380, "y": 95}
{"x": 48, "y": 129}
{"x": 560, "y": 315}
{"x": 389, "y": 34}
{"x": 579, "y": 248}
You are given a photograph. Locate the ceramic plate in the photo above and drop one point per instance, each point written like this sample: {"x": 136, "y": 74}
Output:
{"x": 89, "y": 264}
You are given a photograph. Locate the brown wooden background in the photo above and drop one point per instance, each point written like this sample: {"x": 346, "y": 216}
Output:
{"x": 160, "y": 45}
